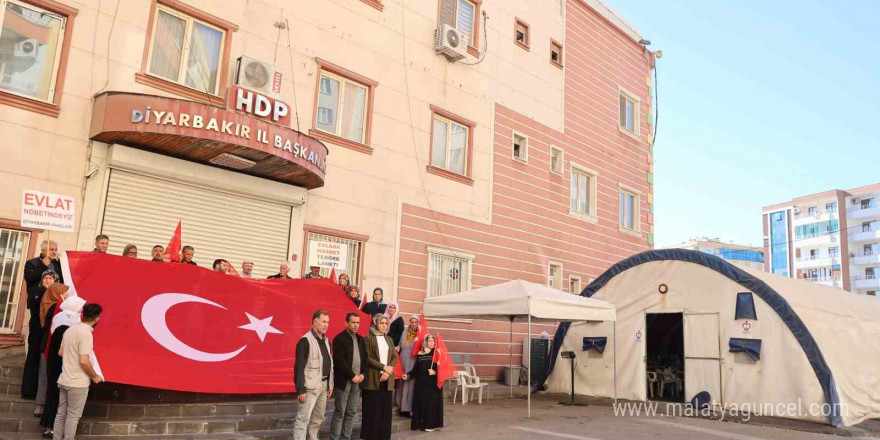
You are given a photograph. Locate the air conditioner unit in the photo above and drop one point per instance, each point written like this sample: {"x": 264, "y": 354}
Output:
{"x": 449, "y": 42}
{"x": 797, "y": 211}
{"x": 26, "y": 48}
{"x": 855, "y": 201}
{"x": 259, "y": 76}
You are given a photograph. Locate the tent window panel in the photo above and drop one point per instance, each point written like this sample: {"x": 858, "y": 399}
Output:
{"x": 745, "y": 306}
{"x": 447, "y": 274}
{"x": 751, "y": 347}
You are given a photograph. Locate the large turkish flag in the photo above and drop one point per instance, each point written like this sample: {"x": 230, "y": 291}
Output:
{"x": 181, "y": 327}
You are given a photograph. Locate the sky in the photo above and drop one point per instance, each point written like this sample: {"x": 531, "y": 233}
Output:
{"x": 759, "y": 102}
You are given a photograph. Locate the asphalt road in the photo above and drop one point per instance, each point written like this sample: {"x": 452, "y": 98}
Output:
{"x": 506, "y": 420}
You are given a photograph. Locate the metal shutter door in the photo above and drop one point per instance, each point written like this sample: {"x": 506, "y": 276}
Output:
{"x": 144, "y": 211}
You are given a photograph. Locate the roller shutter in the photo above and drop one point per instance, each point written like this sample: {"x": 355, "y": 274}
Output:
{"x": 144, "y": 210}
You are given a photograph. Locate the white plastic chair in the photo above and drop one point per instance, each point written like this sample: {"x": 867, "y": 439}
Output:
{"x": 460, "y": 382}
{"x": 472, "y": 382}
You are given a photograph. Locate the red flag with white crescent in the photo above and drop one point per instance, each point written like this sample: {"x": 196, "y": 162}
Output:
{"x": 172, "y": 251}
{"x": 420, "y": 336}
{"x": 182, "y": 327}
{"x": 443, "y": 360}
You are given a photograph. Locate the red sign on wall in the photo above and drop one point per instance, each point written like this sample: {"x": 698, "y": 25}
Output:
{"x": 276, "y": 82}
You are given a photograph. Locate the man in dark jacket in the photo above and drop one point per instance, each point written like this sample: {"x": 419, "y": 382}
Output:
{"x": 283, "y": 272}
{"x": 351, "y": 367}
{"x": 48, "y": 259}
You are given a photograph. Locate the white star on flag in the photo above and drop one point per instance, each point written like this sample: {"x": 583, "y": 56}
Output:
{"x": 260, "y": 326}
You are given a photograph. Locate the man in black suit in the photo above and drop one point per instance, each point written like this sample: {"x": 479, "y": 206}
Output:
{"x": 350, "y": 360}
{"x": 48, "y": 260}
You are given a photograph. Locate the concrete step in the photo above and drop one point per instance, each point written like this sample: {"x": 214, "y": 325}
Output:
{"x": 11, "y": 386}
{"x": 115, "y": 392}
{"x": 220, "y": 436}
{"x": 11, "y": 371}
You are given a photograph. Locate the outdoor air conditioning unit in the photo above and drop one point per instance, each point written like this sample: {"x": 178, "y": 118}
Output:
{"x": 258, "y": 76}
{"x": 855, "y": 201}
{"x": 26, "y": 48}
{"x": 797, "y": 210}
{"x": 448, "y": 41}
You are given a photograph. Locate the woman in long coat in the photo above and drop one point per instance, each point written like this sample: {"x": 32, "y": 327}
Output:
{"x": 403, "y": 389}
{"x": 31, "y": 376}
{"x": 395, "y": 322}
{"x": 377, "y": 305}
{"x": 48, "y": 305}
{"x": 427, "y": 414}
{"x": 379, "y": 384}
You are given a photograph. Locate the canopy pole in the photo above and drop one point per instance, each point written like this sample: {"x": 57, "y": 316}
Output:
{"x": 529, "y": 375}
{"x": 511, "y": 358}
{"x": 614, "y": 355}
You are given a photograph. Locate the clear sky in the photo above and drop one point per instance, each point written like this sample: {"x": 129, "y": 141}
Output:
{"x": 759, "y": 102}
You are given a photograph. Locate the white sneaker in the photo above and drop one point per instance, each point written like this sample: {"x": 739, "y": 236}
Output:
{"x": 429, "y": 430}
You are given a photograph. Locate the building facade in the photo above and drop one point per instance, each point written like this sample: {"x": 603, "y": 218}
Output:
{"x": 832, "y": 238}
{"x": 333, "y": 133}
{"x": 743, "y": 256}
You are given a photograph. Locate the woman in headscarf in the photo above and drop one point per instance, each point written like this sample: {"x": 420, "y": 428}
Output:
{"x": 379, "y": 384}
{"x": 395, "y": 322}
{"x": 31, "y": 376}
{"x": 427, "y": 412}
{"x": 403, "y": 389}
{"x": 377, "y": 305}
{"x": 354, "y": 294}
{"x": 55, "y": 294}
{"x": 344, "y": 282}
{"x": 69, "y": 316}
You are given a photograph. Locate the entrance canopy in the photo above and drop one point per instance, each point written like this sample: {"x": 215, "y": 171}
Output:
{"x": 515, "y": 299}
{"x": 519, "y": 298}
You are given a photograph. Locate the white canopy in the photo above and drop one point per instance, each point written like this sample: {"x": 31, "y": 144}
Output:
{"x": 518, "y": 298}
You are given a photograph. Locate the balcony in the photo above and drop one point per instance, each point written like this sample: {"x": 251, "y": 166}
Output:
{"x": 865, "y": 258}
{"x": 859, "y": 212}
{"x": 817, "y": 216}
{"x": 812, "y": 262}
{"x": 865, "y": 282}
{"x": 833, "y": 281}
{"x": 865, "y": 234}
{"x": 817, "y": 239}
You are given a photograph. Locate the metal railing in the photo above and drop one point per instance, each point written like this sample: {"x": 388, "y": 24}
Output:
{"x": 824, "y": 279}
{"x": 864, "y": 277}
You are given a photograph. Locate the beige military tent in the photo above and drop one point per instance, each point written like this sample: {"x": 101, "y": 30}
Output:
{"x": 756, "y": 342}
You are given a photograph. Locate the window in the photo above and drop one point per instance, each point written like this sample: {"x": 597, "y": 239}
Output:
{"x": 813, "y": 211}
{"x": 629, "y": 113}
{"x": 351, "y": 262}
{"x": 343, "y": 107}
{"x": 32, "y": 54}
{"x": 629, "y": 210}
{"x": 463, "y": 16}
{"x": 834, "y": 252}
{"x": 451, "y": 146}
{"x": 448, "y": 272}
{"x": 554, "y": 275}
{"x": 779, "y": 243}
{"x": 582, "y": 192}
{"x": 867, "y": 203}
{"x": 520, "y": 147}
{"x": 13, "y": 249}
{"x": 186, "y": 51}
{"x": 556, "y": 159}
{"x": 574, "y": 285}
{"x": 555, "y": 53}
{"x": 831, "y": 207}
{"x": 866, "y": 226}
{"x": 872, "y": 293}
{"x": 867, "y": 250}
{"x": 521, "y": 34}
{"x": 869, "y": 273}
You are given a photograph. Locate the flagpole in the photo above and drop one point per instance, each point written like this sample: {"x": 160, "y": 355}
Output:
{"x": 529, "y": 375}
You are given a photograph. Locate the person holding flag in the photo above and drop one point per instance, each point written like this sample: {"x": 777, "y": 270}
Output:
{"x": 403, "y": 389}
{"x": 427, "y": 406}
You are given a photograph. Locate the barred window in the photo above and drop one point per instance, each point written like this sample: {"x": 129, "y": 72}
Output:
{"x": 352, "y": 266}
{"x": 448, "y": 273}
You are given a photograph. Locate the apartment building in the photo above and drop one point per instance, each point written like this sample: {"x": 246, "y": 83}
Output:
{"x": 437, "y": 145}
{"x": 747, "y": 257}
{"x": 832, "y": 238}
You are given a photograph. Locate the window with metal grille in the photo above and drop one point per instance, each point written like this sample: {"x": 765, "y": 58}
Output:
{"x": 448, "y": 274}
{"x": 13, "y": 245}
{"x": 352, "y": 261}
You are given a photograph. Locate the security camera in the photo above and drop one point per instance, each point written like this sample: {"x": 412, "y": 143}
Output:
{"x": 91, "y": 172}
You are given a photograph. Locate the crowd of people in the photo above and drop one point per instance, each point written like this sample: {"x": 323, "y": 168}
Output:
{"x": 361, "y": 369}
{"x": 60, "y": 363}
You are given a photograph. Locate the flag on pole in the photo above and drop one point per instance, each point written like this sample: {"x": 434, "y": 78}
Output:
{"x": 172, "y": 251}
{"x": 443, "y": 360}
{"x": 420, "y": 336}
{"x": 398, "y": 370}
{"x": 363, "y": 301}
{"x": 333, "y": 275}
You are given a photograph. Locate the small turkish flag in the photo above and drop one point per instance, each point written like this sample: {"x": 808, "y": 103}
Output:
{"x": 398, "y": 370}
{"x": 180, "y": 327}
{"x": 443, "y": 360}
{"x": 420, "y": 336}
{"x": 172, "y": 251}
{"x": 333, "y": 275}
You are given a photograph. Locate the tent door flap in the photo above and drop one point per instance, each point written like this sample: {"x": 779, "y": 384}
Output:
{"x": 702, "y": 355}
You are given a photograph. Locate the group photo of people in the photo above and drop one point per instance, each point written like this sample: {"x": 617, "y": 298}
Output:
{"x": 392, "y": 369}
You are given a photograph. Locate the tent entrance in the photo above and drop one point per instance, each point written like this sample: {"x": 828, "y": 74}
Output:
{"x": 664, "y": 344}
{"x": 702, "y": 355}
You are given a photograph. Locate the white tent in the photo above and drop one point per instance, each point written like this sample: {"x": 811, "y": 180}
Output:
{"x": 516, "y": 299}
{"x": 757, "y": 342}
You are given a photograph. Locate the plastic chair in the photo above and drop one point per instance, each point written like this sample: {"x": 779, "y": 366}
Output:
{"x": 652, "y": 381}
{"x": 473, "y": 382}
{"x": 460, "y": 382}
